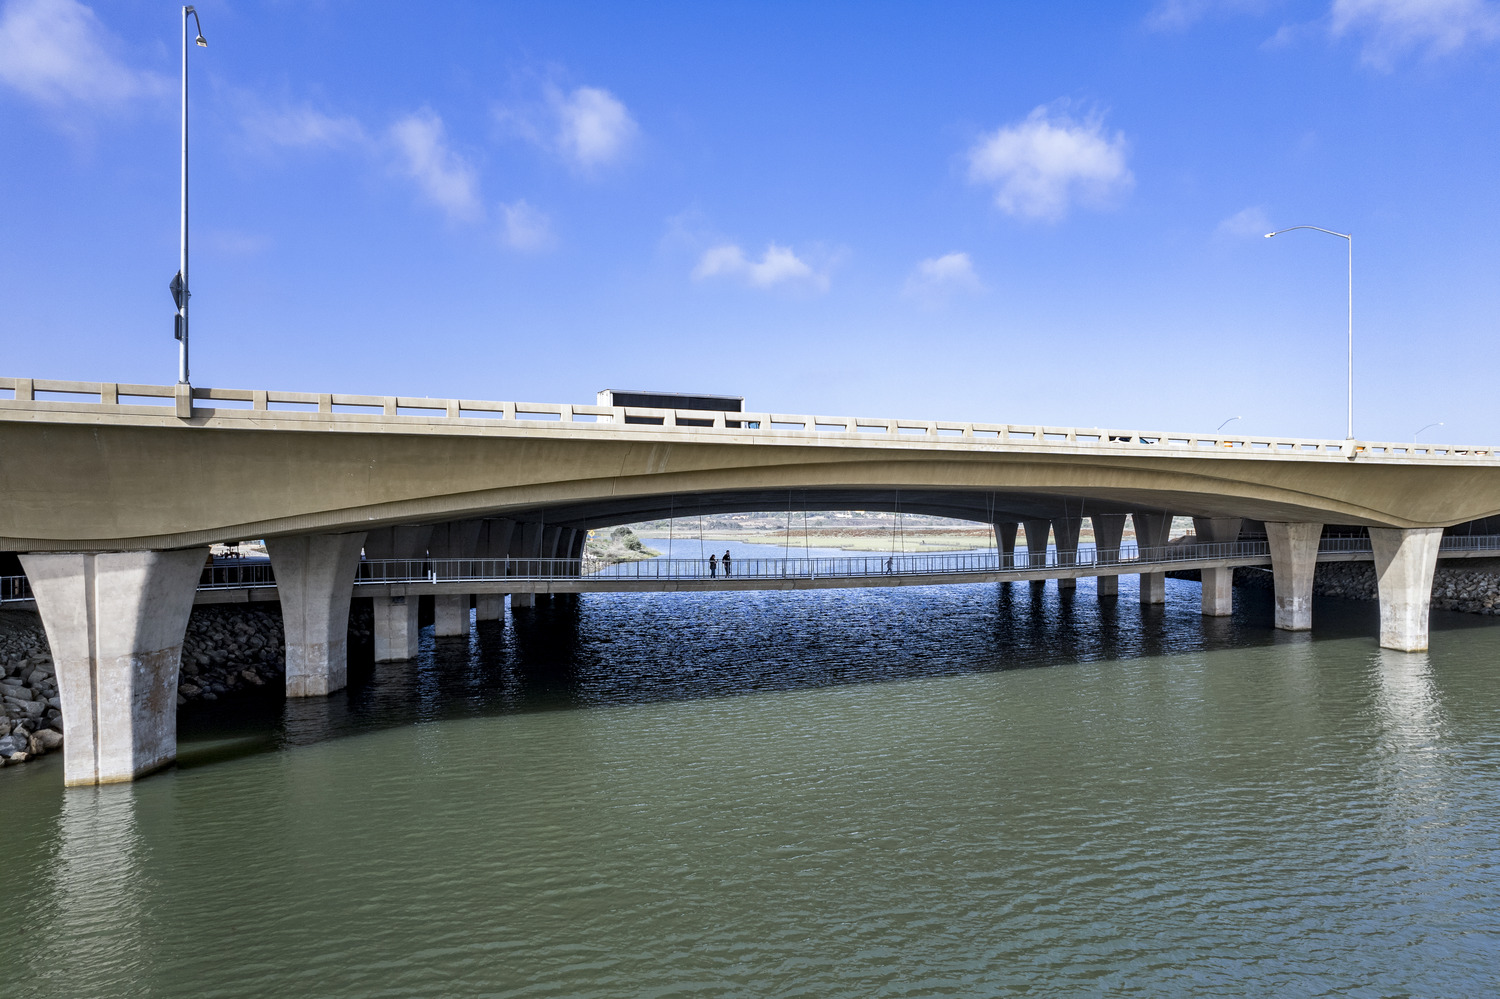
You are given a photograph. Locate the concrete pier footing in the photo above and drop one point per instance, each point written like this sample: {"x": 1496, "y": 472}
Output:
{"x": 1109, "y": 528}
{"x": 315, "y": 581}
{"x": 115, "y": 623}
{"x": 1036, "y": 541}
{"x": 1152, "y": 530}
{"x": 450, "y": 614}
{"x": 1405, "y": 561}
{"x": 1294, "y": 557}
{"x": 397, "y": 633}
{"x": 1218, "y": 584}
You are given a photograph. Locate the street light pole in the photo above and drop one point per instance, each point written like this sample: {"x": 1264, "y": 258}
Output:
{"x": 180, "y": 292}
{"x": 1348, "y": 238}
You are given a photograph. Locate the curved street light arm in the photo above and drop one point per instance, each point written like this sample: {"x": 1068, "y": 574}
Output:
{"x": 1348, "y": 238}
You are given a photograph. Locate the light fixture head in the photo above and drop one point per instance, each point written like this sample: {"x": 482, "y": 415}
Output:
{"x": 203, "y": 41}
{"x": 1270, "y": 234}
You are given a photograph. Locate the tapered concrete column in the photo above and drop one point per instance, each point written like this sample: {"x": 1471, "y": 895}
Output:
{"x": 314, "y": 581}
{"x": 397, "y": 633}
{"x": 1404, "y": 564}
{"x": 494, "y": 544}
{"x": 456, "y": 539}
{"x": 115, "y": 623}
{"x": 1294, "y": 557}
{"x": 526, "y": 544}
{"x": 575, "y": 551}
{"x": 565, "y": 548}
{"x": 1153, "y": 530}
{"x": 1218, "y": 584}
{"x": 1005, "y": 537}
{"x": 1036, "y": 542}
{"x": 1109, "y": 528}
{"x": 1065, "y": 531}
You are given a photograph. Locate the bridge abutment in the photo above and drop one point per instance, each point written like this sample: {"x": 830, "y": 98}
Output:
{"x": 1109, "y": 528}
{"x": 115, "y": 622}
{"x": 315, "y": 581}
{"x": 1153, "y": 530}
{"x": 397, "y": 632}
{"x": 1294, "y": 557}
{"x": 1218, "y": 584}
{"x": 1405, "y": 561}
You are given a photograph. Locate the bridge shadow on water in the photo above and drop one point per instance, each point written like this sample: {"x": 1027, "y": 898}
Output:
{"x": 613, "y": 649}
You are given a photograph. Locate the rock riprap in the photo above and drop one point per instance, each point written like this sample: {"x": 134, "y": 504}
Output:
{"x": 227, "y": 648}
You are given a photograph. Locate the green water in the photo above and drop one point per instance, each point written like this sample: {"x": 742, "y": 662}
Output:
{"x": 638, "y": 798}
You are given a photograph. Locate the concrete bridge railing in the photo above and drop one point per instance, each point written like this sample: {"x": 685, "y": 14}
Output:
{"x": 188, "y": 401}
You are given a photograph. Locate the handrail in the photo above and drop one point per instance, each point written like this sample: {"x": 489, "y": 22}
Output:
{"x": 536, "y": 415}
{"x": 255, "y": 573}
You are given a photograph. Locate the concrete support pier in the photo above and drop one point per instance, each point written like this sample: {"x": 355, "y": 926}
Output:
{"x": 1065, "y": 531}
{"x": 1218, "y": 584}
{"x": 315, "y": 581}
{"x": 1404, "y": 564}
{"x": 526, "y": 544}
{"x": 1294, "y": 556}
{"x": 494, "y": 543}
{"x": 1109, "y": 528}
{"x": 458, "y": 539}
{"x": 1153, "y": 530}
{"x": 1036, "y": 542}
{"x": 115, "y": 622}
{"x": 1005, "y": 538}
{"x": 397, "y": 635}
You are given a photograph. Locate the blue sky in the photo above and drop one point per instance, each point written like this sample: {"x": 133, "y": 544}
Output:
{"x": 1006, "y": 212}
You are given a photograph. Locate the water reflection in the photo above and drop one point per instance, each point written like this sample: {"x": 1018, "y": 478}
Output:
{"x": 97, "y": 926}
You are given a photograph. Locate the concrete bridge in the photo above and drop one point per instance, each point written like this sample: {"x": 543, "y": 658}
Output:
{"x": 113, "y": 492}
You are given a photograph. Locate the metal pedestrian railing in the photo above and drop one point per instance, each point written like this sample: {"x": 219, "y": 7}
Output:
{"x": 1129, "y": 558}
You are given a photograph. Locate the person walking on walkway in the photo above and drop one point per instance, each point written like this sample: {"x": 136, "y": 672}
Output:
{"x": 713, "y": 566}
{"x": 725, "y": 560}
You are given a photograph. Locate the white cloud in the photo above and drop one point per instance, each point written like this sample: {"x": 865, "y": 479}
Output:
{"x": 56, "y": 51}
{"x": 446, "y": 178}
{"x": 1041, "y": 165}
{"x": 525, "y": 228}
{"x": 1393, "y": 28}
{"x": 302, "y": 127}
{"x": 938, "y": 276}
{"x": 1250, "y": 221}
{"x": 593, "y": 126}
{"x": 588, "y": 127}
{"x": 779, "y": 265}
{"x": 1176, "y": 15}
